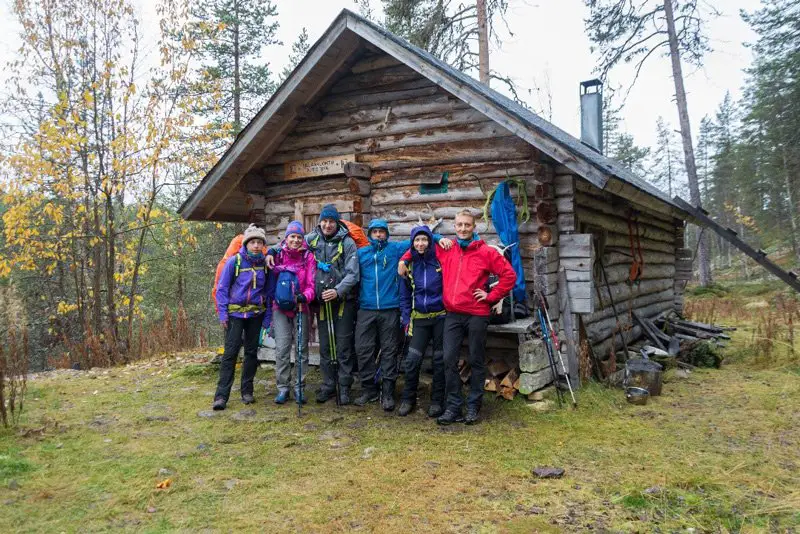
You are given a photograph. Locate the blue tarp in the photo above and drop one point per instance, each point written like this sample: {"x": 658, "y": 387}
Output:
{"x": 504, "y": 217}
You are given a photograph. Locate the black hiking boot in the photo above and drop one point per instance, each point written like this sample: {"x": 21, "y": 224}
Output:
{"x": 450, "y": 417}
{"x": 367, "y": 396}
{"x": 219, "y": 404}
{"x": 344, "y": 396}
{"x": 406, "y": 407}
{"x": 387, "y": 399}
{"x": 247, "y": 398}
{"x": 324, "y": 395}
{"x": 435, "y": 410}
{"x": 472, "y": 416}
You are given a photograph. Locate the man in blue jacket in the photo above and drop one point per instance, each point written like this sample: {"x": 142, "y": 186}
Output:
{"x": 378, "y": 322}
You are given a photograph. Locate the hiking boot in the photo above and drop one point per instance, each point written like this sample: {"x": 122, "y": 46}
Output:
{"x": 387, "y": 399}
{"x": 435, "y": 410}
{"x": 367, "y": 396}
{"x": 449, "y": 417}
{"x": 344, "y": 396}
{"x": 247, "y": 398}
{"x": 282, "y": 396}
{"x": 406, "y": 407}
{"x": 324, "y": 395}
{"x": 219, "y": 404}
{"x": 472, "y": 416}
{"x": 300, "y": 395}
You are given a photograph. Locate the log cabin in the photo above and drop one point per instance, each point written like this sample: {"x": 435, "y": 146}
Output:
{"x": 383, "y": 129}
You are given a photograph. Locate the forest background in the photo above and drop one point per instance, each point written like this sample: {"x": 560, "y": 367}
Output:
{"x": 106, "y": 131}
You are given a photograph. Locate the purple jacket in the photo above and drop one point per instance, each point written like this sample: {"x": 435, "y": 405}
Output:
{"x": 302, "y": 263}
{"x": 243, "y": 295}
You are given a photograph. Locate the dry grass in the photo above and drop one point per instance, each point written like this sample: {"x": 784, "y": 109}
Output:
{"x": 717, "y": 452}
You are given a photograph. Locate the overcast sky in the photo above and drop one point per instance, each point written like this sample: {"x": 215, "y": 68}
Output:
{"x": 549, "y": 48}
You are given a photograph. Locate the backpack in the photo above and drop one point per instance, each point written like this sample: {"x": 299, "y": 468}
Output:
{"x": 286, "y": 288}
{"x": 501, "y": 312}
{"x": 233, "y": 248}
{"x": 356, "y": 234}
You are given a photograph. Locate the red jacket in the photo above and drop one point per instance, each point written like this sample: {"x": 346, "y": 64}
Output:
{"x": 465, "y": 270}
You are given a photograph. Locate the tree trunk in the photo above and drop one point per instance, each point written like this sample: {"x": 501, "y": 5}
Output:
{"x": 237, "y": 110}
{"x": 792, "y": 206}
{"x": 483, "y": 42}
{"x": 686, "y": 137}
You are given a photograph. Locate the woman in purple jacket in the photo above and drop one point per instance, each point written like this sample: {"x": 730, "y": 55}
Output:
{"x": 422, "y": 312}
{"x": 241, "y": 302}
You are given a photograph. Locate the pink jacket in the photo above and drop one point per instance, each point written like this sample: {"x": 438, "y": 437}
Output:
{"x": 302, "y": 263}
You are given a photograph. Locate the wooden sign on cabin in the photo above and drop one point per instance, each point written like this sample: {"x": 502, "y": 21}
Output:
{"x": 306, "y": 168}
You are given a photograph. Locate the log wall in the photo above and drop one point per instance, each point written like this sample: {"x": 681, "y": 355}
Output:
{"x": 613, "y": 221}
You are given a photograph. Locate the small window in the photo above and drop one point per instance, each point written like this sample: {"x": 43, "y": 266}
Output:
{"x": 436, "y": 188}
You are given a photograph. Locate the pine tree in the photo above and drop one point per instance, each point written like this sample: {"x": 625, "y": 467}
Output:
{"x": 299, "y": 50}
{"x": 626, "y": 31}
{"x": 666, "y": 162}
{"x": 232, "y": 36}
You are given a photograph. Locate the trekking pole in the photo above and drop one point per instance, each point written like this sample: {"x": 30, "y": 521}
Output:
{"x": 558, "y": 351}
{"x": 299, "y": 362}
{"x": 548, "y": 348}
{"x": 332, "y": 346}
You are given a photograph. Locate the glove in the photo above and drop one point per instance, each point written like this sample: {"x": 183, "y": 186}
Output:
{"x": 262, "y": 337}
{"x": 301, "y": 298}
{"x": 323, "y": 266}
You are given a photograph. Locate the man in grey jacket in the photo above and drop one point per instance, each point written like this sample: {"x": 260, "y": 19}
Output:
{"x": 336, "y": 280}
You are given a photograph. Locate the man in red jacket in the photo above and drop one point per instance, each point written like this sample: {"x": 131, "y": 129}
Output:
{"x": 466, "y": 269}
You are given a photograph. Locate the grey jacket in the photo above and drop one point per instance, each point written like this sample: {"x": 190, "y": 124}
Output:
{"x": 346, "y": 263}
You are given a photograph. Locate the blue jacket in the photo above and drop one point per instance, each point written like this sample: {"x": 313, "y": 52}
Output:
{"x": 380, "y": 284}
{"x": 241, "y": 290}
{"x": 421, "y": 292}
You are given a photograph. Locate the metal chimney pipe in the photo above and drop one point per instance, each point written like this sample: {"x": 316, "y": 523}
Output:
{"x": 591, "y": 94}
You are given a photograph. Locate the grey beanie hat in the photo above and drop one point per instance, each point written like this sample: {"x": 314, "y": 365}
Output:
{"x": 254, "y": 232}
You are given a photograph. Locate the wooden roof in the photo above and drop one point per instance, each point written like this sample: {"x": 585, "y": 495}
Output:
{"x": 330, "y": 58}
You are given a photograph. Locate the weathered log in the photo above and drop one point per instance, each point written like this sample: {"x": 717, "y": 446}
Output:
{"x": 546, "y": 212}
{"x": 603, "y": 348}
{"x": 344, "y": 102}
{"x": 621, "y": 273}
{"x": 374, "y": 62}
{"x": 610, "y": 205}
{"x": 442, "y": 153}
{"x": 564, "y": 185}
{"x": 546, "y": 260}
{"x": 419, "y": 138}
{"x": 317, "y": 188}
{"x": 576, "y": 246}
{"x": 613, "y": 239}
{"x": 622, "y": 291}
{"x": 508, "y": 393}
{"x": 533, "y": 173}
{"x": 546, "y": 236}
{"x": 436, "y": 104}
{"x": 565, "y": 204}
{"x": 463, "y": 190}
{"x": 374, "y": 78}
{"x": 602, "y": 329}
{"x": 566, "y": 222}
{"x": 357, "y": 170}
{"x": 638, "y": 302}
{"x": 620, "y": 225}
{"x": 387, "y": 125}
{"x": 615, "y": 256}
{"x": 568, "y": 327}
{"x": 543, "y": 191}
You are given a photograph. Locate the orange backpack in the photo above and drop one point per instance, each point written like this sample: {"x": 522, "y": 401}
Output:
{"x": 233, "y": 248}
{"x": 357, "y": 233}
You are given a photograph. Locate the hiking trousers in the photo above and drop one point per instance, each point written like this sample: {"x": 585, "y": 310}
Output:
{"x": 456, "y": 326}
{"x": 251, "y": 327}
{"x": 285, "y": 333}
{"x": 377, "y": 329}
{"x": 425, "y": 331}
{"x": 344, "y": 316}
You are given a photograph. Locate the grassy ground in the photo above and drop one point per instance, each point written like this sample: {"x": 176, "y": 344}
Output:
{"x": 716, "y": 453}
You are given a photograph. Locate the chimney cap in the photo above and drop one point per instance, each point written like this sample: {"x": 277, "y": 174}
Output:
{"x": 594, "y": 82}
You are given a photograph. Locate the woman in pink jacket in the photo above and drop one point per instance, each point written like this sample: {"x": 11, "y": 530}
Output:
{"x": 293, "y": 284}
